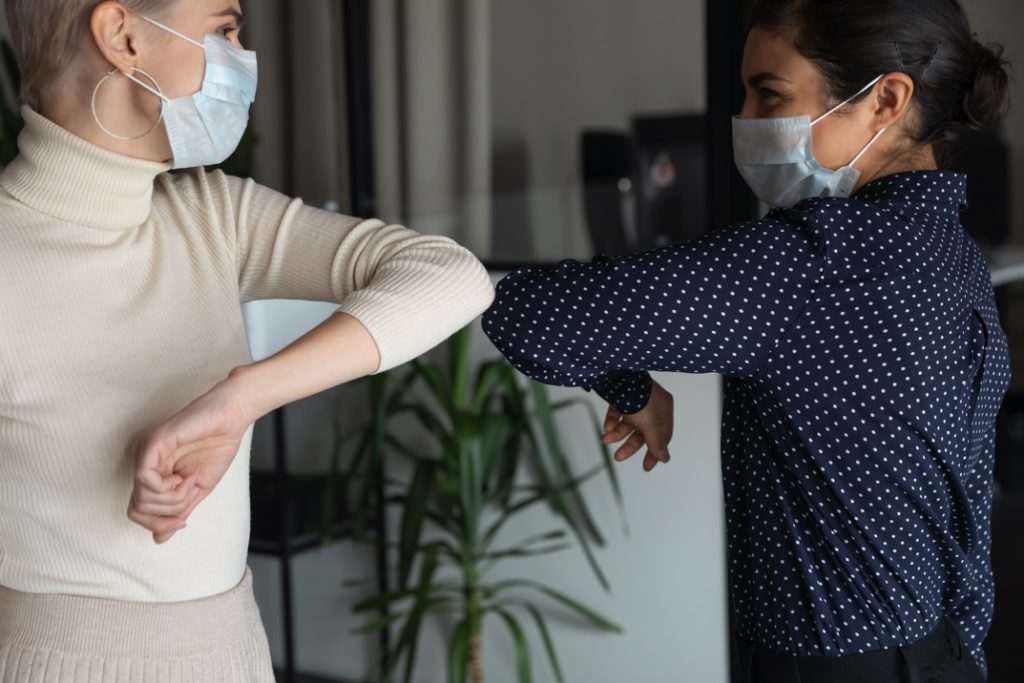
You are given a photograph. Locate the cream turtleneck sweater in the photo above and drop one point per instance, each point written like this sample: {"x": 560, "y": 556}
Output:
{"x": 120, "y": 293}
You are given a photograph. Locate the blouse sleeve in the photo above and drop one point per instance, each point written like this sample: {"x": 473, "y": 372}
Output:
{"x": 410, "y": 291}
{"x": 718, "y": 304}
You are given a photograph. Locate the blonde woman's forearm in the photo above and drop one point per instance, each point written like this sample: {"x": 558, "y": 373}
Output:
{"x": 337, "y": 351}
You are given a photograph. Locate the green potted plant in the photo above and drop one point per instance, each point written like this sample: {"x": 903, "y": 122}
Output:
{"x": 491, "y": 453}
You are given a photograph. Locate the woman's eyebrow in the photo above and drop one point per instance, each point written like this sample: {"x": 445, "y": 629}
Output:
{"x": 231, "y": 13}
{"x": 760, "y": 78}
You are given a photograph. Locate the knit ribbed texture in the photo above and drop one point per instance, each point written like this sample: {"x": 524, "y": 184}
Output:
{"x": 87, "y": 640}
{"x": 120, "y": 287}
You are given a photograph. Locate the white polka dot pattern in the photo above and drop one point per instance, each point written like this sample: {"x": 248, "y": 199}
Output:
{"x": 864, "y": 365}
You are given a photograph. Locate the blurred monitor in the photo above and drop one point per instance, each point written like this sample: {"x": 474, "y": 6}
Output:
{"x": 671, "y": 183}
{"x": 648, "y": 189}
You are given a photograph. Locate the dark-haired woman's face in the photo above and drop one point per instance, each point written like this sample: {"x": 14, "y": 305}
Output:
{"x": 780, "y": 82}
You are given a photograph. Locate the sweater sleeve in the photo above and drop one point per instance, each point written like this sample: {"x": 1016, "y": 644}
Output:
{"x": 410, "y": 291}
{"x": 718, "y": 304}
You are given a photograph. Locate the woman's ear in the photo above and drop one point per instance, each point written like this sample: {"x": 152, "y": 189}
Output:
{"x": 114, "y": 40}
{"x": 892, "y": 99}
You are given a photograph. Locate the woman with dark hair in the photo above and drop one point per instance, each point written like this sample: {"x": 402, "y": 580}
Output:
{"x": 856, "y": 328}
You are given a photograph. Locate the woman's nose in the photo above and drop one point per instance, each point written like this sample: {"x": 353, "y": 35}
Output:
{"x": 749, "y": 109}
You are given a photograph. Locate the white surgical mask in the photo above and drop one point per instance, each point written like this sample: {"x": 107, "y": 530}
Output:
{"x": 205, "y": 128}
{"x": 776, "y": 158}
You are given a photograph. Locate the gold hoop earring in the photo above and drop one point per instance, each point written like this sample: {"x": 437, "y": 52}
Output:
{"x": 157, "y": 91}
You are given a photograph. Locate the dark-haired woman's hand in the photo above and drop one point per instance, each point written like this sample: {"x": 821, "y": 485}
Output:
{"x": 180, "y": 462}
{"x": 651, "y": 427}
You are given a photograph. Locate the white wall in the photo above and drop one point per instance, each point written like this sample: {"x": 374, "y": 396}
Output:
{"x": 560, "y": 67}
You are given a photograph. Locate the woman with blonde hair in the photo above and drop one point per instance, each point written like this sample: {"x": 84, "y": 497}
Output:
{"x": 125, "y": 375}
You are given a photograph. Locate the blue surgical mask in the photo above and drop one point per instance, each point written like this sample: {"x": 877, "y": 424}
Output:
{"x": 776, "y": 158}
{"x": 205, "y": 128}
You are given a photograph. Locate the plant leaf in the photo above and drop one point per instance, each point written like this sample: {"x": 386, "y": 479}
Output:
{"x": 375, "y": 602}
{"x": 537, "y": 495}
{"x": 490, "y": 376}
{"x": 606, "y": 457}
{"x": 404, "y": 450}
{"x": 413, "y": 514}
{"x": 523, "y": 552}
{"x": 549, "y": 645}
{"x": 378, "y": 624}
{"x": 470, "y": 493}
{"x": 522, "y": 647}
{"x": 558, "y": 505}
{"x": 554, "y": 535}
{"x": 409, "y": 637}
{"x": 588, "y": 615}
{"x": 432, "y": 375}
{"x": 444, "y": 548}
{"x": 493, "y": 431}
{"x": 425, "y": 416}
{"x": 334, "y": 472}
{"x": 458, "y": 368}
{"x": 458, "y": 653}
{"x": 561, "y": 463}
{"x": 399, "y": 391}
{"x": 362, "y": 460}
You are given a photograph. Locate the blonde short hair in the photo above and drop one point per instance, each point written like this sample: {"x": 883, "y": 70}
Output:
{"x": 47, "y": 35}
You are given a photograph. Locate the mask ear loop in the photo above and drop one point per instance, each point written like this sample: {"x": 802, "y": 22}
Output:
{"x": 866, "y": 148}
{"x": 842, "y": 104}
{"x": 157, "y": 91}
{"x": 839, "y": 106}
{"x": 176, "y": 33}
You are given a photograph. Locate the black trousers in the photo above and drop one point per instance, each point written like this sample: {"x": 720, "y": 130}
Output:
{"x": 939, "y": 657}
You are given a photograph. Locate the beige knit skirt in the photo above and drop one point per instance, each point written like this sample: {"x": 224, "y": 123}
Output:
{"x": 58, "y": 638}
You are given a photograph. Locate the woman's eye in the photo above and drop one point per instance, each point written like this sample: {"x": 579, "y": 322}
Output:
{"x": 767, "y": 94}
{"x": 227, "y": 31}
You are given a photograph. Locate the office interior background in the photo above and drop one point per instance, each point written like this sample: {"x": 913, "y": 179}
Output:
{"x": 532, "y": 131}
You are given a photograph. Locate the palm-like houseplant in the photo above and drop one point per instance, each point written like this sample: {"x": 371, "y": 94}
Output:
{"x": 491, "y": 453}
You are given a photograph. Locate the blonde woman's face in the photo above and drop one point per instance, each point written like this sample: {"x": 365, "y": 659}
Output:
{"x": 178, "y": 65}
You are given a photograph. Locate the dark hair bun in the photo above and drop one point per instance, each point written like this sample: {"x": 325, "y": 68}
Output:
{"x": 986, "y": 102}
{"x": 959, "y": 83}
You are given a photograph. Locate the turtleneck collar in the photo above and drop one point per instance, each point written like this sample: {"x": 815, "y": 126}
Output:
{"x": 61, "y": 175}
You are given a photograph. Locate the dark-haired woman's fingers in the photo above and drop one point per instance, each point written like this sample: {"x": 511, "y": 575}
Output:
{"x": 612, "y": 419}
{"x": 617, "y": 434}
{"x": 650, "y": 462}
{"x": 633, "y": 444}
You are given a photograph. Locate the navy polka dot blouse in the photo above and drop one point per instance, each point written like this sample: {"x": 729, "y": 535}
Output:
{"x": 864, "y": 365}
